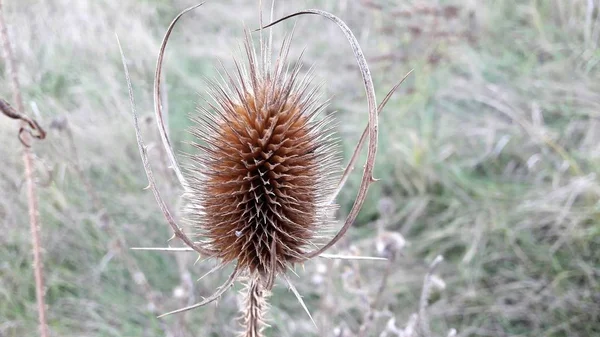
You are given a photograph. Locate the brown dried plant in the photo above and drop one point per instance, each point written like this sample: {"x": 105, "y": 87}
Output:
{"x": 29, "y": 129}
{"x": 262, "y": 188}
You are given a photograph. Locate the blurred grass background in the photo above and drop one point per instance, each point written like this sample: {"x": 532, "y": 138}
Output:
{"x": 489, "y": 155}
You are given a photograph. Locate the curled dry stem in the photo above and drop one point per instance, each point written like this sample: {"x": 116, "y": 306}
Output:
{"x": 158, "y": 98}
{"x": 34, "y": 130}
{"x": 361, "y": 142}
{"x": 25, "y": 137}
{"x": 152, "y": 184}
{"x": 149, "y": 174}
{"x": 367, "y": 177}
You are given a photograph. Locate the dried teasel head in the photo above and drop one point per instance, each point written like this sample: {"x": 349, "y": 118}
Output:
{"x": 263, "y": 184}
{"x": 267, "y": 165}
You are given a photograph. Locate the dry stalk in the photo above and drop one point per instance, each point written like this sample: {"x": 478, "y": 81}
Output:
{"x": 418, "y": 323}
{"x": 423, "y": 320}
{"x": 362, "y": 140}
{"x": 255, "y": 308}
{"x": 376, "y": 303}
{"x": 28, "y": 126}
{"x": 186, "y": 280}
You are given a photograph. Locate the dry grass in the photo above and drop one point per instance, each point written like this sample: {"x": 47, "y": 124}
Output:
{"x": 489, "y": 155}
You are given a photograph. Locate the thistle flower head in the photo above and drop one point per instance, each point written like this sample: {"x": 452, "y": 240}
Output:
{"x": 260, "y": 183}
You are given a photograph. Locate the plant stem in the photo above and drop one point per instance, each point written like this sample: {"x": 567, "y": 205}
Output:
{"x": 34, "y": 221}
{"x": 255, "y": 306}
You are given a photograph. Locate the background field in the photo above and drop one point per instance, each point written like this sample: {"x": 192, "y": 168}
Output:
{"x": 489, "y": 154}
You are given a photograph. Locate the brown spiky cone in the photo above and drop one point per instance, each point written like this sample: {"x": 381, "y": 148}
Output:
{"x": 262, "y": 187}
{"x": 266, "y": 166}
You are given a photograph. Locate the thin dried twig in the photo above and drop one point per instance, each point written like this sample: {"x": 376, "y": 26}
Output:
{"x": 152, "y": 184}
{"x": 28, "y": 125}
{"x": 370, "y": 316}
{"x": 350, "y": 167}
{"x": 186, "y": 280}
{"x": 149, "y": 174}
{"x": 158, "y": 98}
{"x": 25, "y": 138}
{"x": 326, "y": 256}
{"x": 423, "y": 321}
{"x": 367, "y": 177}
{"x": 222, "y": 289}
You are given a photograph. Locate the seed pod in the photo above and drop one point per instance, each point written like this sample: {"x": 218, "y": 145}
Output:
{"x": 262, "y": 187}
{"x": 266, "y": 166}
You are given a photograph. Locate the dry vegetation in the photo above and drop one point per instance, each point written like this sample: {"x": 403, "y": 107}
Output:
{"x": 488, "y": 155}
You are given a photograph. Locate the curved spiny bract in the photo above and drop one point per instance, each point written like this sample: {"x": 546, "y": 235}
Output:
{"x": 259, "y": 186}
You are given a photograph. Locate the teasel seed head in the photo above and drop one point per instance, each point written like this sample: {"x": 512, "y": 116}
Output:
{"x": 262, "y": 187}
{"x": 260, "y": 183}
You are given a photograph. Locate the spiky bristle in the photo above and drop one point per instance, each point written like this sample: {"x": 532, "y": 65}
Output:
{"x": 261, "y": 180}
